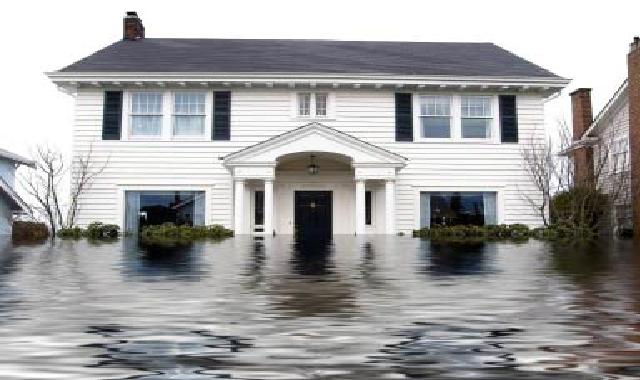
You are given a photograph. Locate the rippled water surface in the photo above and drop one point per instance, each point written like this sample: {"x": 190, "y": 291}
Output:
{"x": 375, "y": 308}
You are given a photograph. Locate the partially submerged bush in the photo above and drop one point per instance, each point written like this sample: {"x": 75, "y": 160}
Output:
{"x": 513, "y": 232}
{"x": 29, "y": 231}
{"x": 171, "y": 231}
{"x": 95, "y": 230}
{"x": 579, "y": 208}
{"x": 490, "y": 232}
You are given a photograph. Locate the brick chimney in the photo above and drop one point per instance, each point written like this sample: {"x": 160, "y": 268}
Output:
{"x": 132, "y": 27}
{"x": 582, "y": 116}
{"x": 633, "y": 67}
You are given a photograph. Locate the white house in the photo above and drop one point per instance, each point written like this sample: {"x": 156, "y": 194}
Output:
{"x": 10, "y": 201}
{"x": 319, "y": 136}
{"x": 604, "y": 145}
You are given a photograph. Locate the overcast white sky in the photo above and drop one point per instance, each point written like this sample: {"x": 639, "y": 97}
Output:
{"x": 586, "y": 41}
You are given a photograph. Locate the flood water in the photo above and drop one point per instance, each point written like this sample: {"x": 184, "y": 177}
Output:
{"x": 375, "y": 308}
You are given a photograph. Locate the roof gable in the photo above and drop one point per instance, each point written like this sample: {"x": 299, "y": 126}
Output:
{"x": 315, "y": 137}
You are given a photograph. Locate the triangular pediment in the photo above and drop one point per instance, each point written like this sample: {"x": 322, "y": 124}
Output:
{"x": 315, "y": 137}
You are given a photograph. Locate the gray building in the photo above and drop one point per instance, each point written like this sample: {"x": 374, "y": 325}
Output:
{"x": 10, "y": 202}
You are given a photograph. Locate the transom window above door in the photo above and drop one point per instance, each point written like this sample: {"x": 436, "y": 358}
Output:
{"x": 312, "y": 104}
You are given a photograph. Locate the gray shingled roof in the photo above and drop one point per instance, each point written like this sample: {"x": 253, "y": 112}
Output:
{"x": 307, "y": 56}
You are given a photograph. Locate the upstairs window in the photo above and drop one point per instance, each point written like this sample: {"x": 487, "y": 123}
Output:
{"x": 146, "y": 114}
{"x": 312, "y": 104}
{"x": 476, "y": 116}
{"x": 189, "y": 113}
{"x": 620, "y": 155}
{"x": 435, "y": 116}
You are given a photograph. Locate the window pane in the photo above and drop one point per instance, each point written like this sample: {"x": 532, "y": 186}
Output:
{"x": 436, "y": 127}
{"x": 188, "y": 125}
{"x": 321, "y": 104}
{"x": 367, "y": 208}
{"x": 157, "y": 207}
{"x": 146, "y": 125}
{"x": 435, "y": 106}
{"x": 457, "y": 208}
{"x": 146, "y": 103}
{"x": 259, "y": 208}
{"x": 476, "y": 128}
{"x": 304, "y": 104}
{"x": 189, "y": 103}
{"x": 476, "y": 106}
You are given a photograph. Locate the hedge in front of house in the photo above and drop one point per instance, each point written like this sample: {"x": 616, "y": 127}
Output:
{"x": 27, "y": 231}
{"x": 95, "y": 230}
{"x": 505, "y": 232}
{"x": 170, "y": 230}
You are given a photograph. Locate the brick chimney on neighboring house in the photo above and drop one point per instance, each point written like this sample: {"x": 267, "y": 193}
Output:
{"x": 633, "y": 67}
{"x": 582, "y": 116}
{"x": 132, "y": 27}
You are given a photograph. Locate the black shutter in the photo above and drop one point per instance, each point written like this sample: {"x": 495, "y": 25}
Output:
{"x": 221, "y": 115}
{"x": 112, "y": 115}
{"x": 508, "y": 118}
{"x": 404, "y": 117}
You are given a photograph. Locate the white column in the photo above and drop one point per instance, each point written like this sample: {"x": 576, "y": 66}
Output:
{"x": 360, "y": 207}
{"x": 268, "y": 206}
{"x": 390, "y": 206}
{"x": 238, "y": 207}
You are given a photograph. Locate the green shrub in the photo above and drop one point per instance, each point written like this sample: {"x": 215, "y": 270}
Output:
{"x": 95, "y": 231}
{"x": 171, "y": 231}
{"x": 512, "y": 232}
{"x": 29, "y": 231}
{"x": 579, "y": 208}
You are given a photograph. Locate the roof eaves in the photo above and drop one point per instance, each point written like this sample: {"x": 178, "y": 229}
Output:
{"x": 608, "y": 106}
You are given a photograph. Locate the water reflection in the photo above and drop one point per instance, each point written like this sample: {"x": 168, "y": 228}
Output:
{"x": 456, "y": 258}
{"x": 180, "y": 260}
{"x": 311, "y": 255}
{"x": 344, "y": 308}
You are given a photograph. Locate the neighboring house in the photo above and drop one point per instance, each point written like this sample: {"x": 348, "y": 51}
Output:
{"x": 306, "y": 135}
{"x": 608, "y": 146}
{"x": 10, "y": 203}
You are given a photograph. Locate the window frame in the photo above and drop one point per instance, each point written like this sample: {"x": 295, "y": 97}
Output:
{"x": 312, "y": 105}
{"x": 491, "y": 118}
{"x": 456, "y": 118}
{"x": 167, "y": 116}
{"x": 615, "y": 153}
{"x": 421, "y": 116}
{"x": 128, "y": 116}
{"x": 206, "y": 116}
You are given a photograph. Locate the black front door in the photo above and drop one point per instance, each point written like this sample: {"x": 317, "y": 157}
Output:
{"x": 313, "y": 213}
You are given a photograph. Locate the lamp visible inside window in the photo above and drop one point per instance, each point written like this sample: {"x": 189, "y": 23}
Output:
{"x": 312, "y": 168}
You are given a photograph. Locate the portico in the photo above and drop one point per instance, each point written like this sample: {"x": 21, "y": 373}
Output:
{"x": 357, "y": 178}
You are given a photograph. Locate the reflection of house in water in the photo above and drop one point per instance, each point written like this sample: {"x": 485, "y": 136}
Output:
{"x": 455, "y": 258}
{"x": 299, "y": 295}
{"x": 174, "y": 260}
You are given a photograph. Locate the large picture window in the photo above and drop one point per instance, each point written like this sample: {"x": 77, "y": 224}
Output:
{"x": 457, "y": 208}
{"x": 188, "y": 114}
{"x": 435, "y": 116}
{"x": 146, "y": 114}
{"x": 158, "y": 207}
{"x": 476, "y": 116}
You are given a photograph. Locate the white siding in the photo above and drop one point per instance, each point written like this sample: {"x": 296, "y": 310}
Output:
{"x": 612, "y": 127}
{"x": 259, "y": 114}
